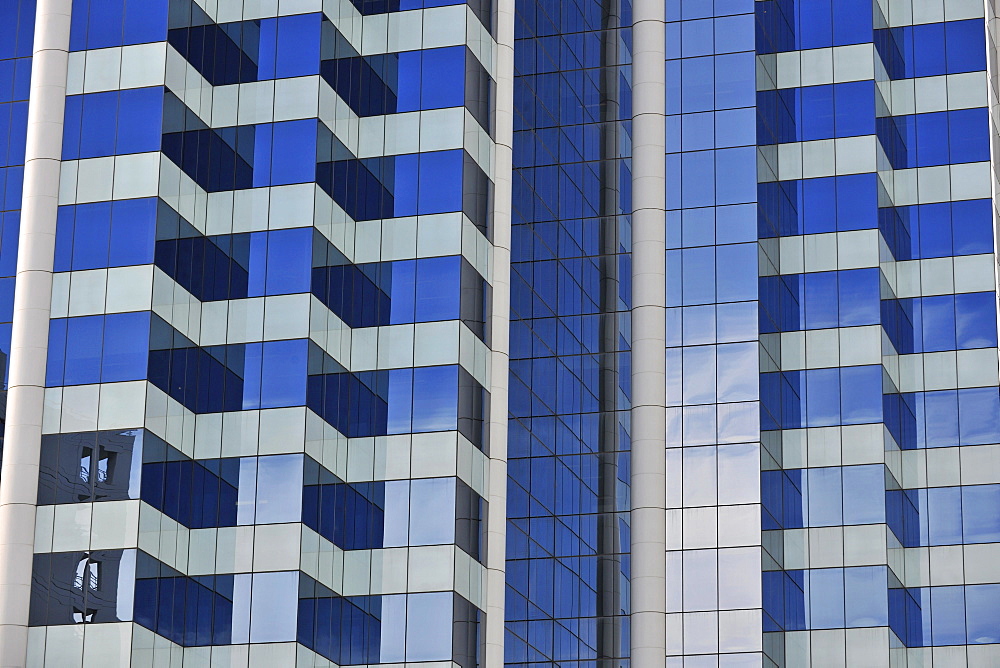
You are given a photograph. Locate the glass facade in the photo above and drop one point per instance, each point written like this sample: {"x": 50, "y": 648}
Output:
{"x": 879, "y": 399}
{"x": 713, "y": 438}
{"x": 17, "y": 23}
{"x": 342, "y": 348}
{"x": 568, "y": 491}
{"x": 266, "y": 382}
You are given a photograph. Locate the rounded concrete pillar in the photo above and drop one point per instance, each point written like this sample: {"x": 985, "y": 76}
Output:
{"x": 30, "y": 331}
{"x": 648, "y": 616}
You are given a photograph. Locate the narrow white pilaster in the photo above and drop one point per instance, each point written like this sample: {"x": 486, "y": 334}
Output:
{"x": 496, "y": 553}
{"x": 29, "y": 338}
{"x": 648, "y": 335}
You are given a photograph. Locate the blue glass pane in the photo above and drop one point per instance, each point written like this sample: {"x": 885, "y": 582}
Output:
{"x": 982, "y": 610}
{"x": 438, "y": 288}
{"x": 442, "y": 80}
{"x": 866, "y": 597}
{"x": 91, "y": 236}
{"x": 293, "y": 153}
{"x": 55, "y": 367}
{"x": 409, "y": 81}
{"x": 84, "y": 344}
{"x": 139, "y": 120}
{"x": 941, "y": 419}
{"x": 400, "y": 400}
{"x": 826, "y": 598}
{"x": 283, "y": 373}
{"x": 976, "y": 320}
{"x": 403, "y": 292}
{"x": 279, "y": 489}
{"x": 133, "y": 228}
{"x": 980, "y": 520}
{"x": 435, "y": 398}
{"x": 97, "y": 130}
{"x": 126, "y": 346}
{"x": 432, "y": 511}
{"x": 979, "y": 416}
{"x": 429, "y": 626}
{"x": 440, "y": 182}
{"x": 947, "y": 615}
{"x": 289, "y": 260}
{"x": 298, "y": 46}
{"x": 864, "y": 494}
{"x": 944, "y": 516}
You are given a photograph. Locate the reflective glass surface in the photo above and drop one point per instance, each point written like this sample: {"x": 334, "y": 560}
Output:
{"x": 568, "y": 494}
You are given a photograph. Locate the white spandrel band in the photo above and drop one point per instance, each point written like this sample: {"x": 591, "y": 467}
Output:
{"x": 29, "y": 336}
{"x": 648, "y": 521}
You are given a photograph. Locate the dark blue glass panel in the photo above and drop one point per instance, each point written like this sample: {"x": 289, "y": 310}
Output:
{"x": 139, "y": 121}
{"x": 133, "y": 227}
{"x": 289, "y": 260}
{"x": 286, "y": 153}
{"x": 283, "y": 377}
{"x": 440, "y": 182}
{"x": 55, "y": 367}
{"x": 852, "y": 21}
{"x": 17, "y": 22}
{"x": 442, "y": 79}
{"x": 267, "y": 42}
{"x": 97, "y": 129}
{"x": 97, "y": 24}
{"x": 857, "y": 201}
{"x": 403, "y": 291}
{"x": 966, "y": 48}
{"x": 84, "y": 345}
{"x": 65, "y": 219}
{"x": 91, "y": 236}
{"x": 819, "y": 205}
{"x": 438, "y": 289}
{"x": 298, "y": 46}
{"x": 858, "y": 297}
{"x": 817, "y": 112}
{"x": 932, "y": 49}
{"x": 126, "y": 347}
{"x": 145, "y": 21}
{"x": 972, "y": 227}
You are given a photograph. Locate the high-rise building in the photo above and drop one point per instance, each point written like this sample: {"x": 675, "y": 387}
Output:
{"x": 526, "y": 333}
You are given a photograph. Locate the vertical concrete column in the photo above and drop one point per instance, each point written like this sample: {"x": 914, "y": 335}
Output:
{"x": 29, "y": 338}
{"x": 496, "y": 545}
{"x": 648, "y": 335}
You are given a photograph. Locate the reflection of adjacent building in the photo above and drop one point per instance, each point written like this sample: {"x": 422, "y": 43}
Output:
{"x": 82, "y": 587}
{"x": 90, "y": 466}
{"x": 223, "y": 494}
{"x": 95, "y": 586}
